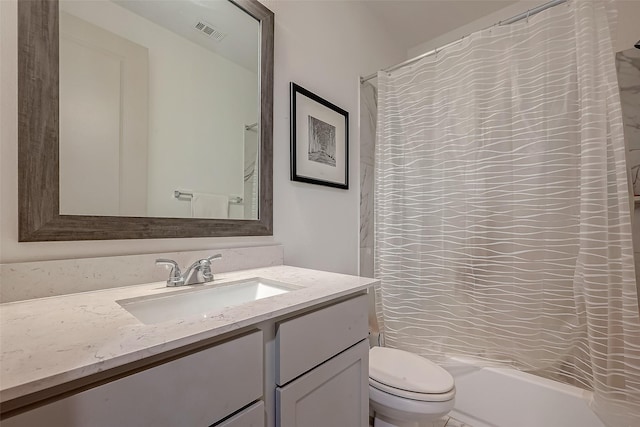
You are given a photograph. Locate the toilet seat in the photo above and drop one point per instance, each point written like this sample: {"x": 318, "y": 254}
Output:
{"x": 409, "y": 375}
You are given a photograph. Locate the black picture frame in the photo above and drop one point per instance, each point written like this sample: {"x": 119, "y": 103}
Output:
{"x": 319, "y": 140}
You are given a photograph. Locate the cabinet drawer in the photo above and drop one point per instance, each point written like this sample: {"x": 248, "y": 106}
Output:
{"x": 195, "y": 390}
{"x": 253, "y": 416}
{"x": 308, "y": 340}
{"x": 335, "y": 393}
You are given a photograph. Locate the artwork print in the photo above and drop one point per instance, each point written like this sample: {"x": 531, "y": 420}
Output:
{"x": 322, "y": 142}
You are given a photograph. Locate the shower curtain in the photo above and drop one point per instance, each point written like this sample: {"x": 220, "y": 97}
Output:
{"x": 502, "y": 223}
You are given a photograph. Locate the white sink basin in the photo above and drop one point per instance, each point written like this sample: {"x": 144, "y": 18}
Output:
{"x": 203, "y": 302}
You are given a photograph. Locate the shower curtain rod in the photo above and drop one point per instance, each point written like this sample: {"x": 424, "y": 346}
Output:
{"x": 523, "y": 15}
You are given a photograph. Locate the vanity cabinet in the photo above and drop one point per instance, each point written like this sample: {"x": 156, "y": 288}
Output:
{"x": 322, "y": 361}
{"x": 306, "y": 368}
{"x": 199, "y": 389}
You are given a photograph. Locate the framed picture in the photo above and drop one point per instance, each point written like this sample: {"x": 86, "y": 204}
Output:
{"x": 319, "y": 140}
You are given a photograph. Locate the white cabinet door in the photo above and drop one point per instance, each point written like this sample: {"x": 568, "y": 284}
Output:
{"x": 199, "y": 389}
{"x": 253, "y": 416}
{"x": 333, "y": 394}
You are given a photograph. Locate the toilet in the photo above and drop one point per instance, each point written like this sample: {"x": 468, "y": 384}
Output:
{"x": 406, "y": 390}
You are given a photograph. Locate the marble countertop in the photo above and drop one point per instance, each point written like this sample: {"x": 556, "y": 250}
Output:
{"x": 49, "y": 341}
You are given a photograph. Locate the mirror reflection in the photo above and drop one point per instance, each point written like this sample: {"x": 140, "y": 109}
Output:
{"x": 159, "y": 109}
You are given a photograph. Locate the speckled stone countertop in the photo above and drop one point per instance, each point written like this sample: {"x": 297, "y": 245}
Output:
{"x": 49, "y": 341}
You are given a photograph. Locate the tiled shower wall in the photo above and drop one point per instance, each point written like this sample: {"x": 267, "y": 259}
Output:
{"x": 368, "y": 116}
{"x": 368, "y": 120}
{"x": 628, "y": 66}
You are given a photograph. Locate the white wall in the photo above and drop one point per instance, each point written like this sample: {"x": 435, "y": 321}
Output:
{"x": 323, "y": 46}
{"x": 627, "y": 33}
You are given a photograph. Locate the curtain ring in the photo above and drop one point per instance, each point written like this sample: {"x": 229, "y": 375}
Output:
{"x": 528, "y": 10}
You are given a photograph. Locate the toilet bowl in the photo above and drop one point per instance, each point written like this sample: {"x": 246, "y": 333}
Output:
{"x": 406, "y": 390}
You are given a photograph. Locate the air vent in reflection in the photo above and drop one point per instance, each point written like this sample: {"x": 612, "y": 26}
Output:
{"x": 208, "y": 30}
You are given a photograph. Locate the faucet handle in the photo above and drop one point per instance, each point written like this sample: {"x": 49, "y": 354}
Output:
{"x": 205, "y": 267}
{"x": 212, "y": 257}
{"x": 175, "y": 275}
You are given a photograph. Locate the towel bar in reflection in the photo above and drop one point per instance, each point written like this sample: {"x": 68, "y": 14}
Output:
{"x": 235, "y": 200}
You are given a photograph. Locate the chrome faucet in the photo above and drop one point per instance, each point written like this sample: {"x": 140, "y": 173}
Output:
{"x": 198, "y": 272}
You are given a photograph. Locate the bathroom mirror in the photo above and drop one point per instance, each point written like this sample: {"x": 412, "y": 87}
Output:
{"x": 144, "y": 119}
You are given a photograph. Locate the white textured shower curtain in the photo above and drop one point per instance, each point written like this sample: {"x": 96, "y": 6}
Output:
{"x": 502, "y": 223}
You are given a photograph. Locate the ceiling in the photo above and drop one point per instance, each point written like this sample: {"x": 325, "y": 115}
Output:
{"x": 240, "y": 33}
{"x": 413, "y": 22}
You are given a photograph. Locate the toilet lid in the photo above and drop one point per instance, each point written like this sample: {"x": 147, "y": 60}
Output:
{"x": 423, "y": 397}
{"x": 408, "y": 371}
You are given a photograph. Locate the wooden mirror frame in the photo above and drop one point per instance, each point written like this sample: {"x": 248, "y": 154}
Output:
{"x": 38, "y": 144}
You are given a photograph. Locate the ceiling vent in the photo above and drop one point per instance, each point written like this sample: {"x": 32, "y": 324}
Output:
{"x": 209, "y": 30}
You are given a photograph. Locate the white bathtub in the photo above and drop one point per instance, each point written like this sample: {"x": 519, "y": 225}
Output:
{"x": 502, "y": 397}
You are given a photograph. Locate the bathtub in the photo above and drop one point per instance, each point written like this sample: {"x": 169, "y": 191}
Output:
{"x": 503, "y": 397}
